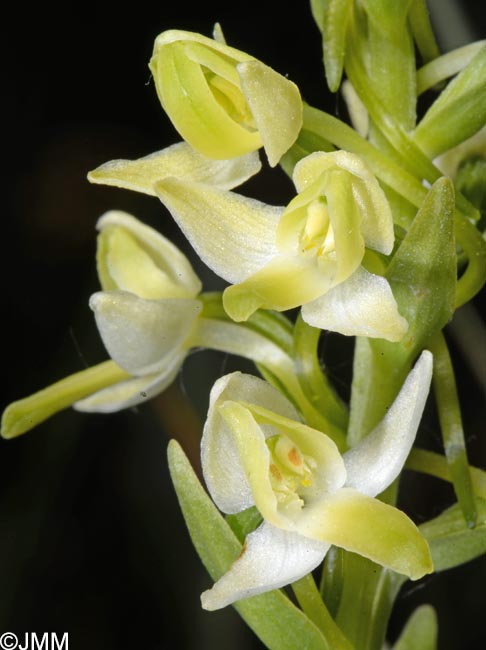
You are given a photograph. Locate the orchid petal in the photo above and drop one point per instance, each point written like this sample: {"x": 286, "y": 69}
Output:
{"x": 234, "y": 235}
{"x": 326, "y": 204}
{"x": 276, "y": 107}
{"x": 346, "y": 222}
{"x": 222, "y": 467}
{"x": 139, "y": 334}
{"x": 250, "y": 426}
{"x": 134, "y": 391}
{"x": 176, "y": 35}
{"x": 363, "y": 305}
{"x": 187, "y": 98}
{"x": 285, "y": 282}
{"x": 254, "y": 456}
{"x": 376, "y": 218}
{"x": 378, "y": 459}
{"x": 179, "y": 160}
{"x": 330, "y": 472}
{"x": 134, "y": 257}
{"x": 271, "y": 558}
{"x": 371, "y": 528}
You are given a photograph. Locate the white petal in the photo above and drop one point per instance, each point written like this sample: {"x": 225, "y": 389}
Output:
{"x": 222, "y": 468}
{"x": 179, "y": 160}
{"x": 167, "y": 256}
{"x": 363, "y": 305}
{"x": 140, "y": 334}
{"x": 377, "y": 460}
{"x": 271, "y": 558}
{"x": 132, "y": 392}
{"x": 233, "y": 234}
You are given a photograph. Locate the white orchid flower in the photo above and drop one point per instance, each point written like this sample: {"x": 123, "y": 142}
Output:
{"x": 146, "y": 312}
{"x": 149, "y": 318}
{"x": 255, "y": 451}
{"x": 311, "y": 253}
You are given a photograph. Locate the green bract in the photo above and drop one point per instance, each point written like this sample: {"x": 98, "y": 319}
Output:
{"x": 309, "y": 254}
{"x": 222, "y": 101}
{"x": 255, "y": 451}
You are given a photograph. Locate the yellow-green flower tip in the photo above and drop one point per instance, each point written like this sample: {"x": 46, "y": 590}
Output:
{"x": 222, "y": 101}
{"x": 133, "y": 257}
{"x": 25, "y": 414}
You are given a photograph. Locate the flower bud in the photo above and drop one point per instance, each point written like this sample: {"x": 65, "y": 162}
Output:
{"x": 222, "y": 101}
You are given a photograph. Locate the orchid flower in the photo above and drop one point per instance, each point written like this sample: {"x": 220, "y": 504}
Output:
{"x": 223, "y": 102}
{"x": 149, "y": 316}
{"x": 313, "y": 253}
{"x": 146, "y": 311}
{"x": 255, "y": 451}
{"x": 145, "y": 314}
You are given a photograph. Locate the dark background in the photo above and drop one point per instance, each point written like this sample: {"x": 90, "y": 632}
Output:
{"x": 91, "y": 538}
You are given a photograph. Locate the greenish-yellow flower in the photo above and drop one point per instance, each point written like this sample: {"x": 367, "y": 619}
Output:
{"x": 222, "y": 101}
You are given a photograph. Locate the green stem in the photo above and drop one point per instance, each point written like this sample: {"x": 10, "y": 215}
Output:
{"x": 446, "y": 66}
{"x": 310, "y": 600}
{"x": 345, "y": 137}
{"x": 368, "y": 594}
{"x": 25, "y": 414}
{"x": 271, "y": 324}
{"x": 451, "y": 426}
{"x": 428, "y": 462}
{"x": 472, "y": 243}
{"x": 313, "y": 380}
{"x": 272, "y": 361}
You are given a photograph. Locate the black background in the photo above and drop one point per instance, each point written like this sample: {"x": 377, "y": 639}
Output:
{"x": 91, "y": 538}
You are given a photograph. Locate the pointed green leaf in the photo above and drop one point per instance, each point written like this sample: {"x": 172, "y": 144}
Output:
{"x": 332, "y": 19}
{"x": 422, "y": 275}
{"x": 420, "y": 632}
{"x": 389, "y": 47}
{"x": 272, "y": 616}
{"x": 452, "y": 431}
